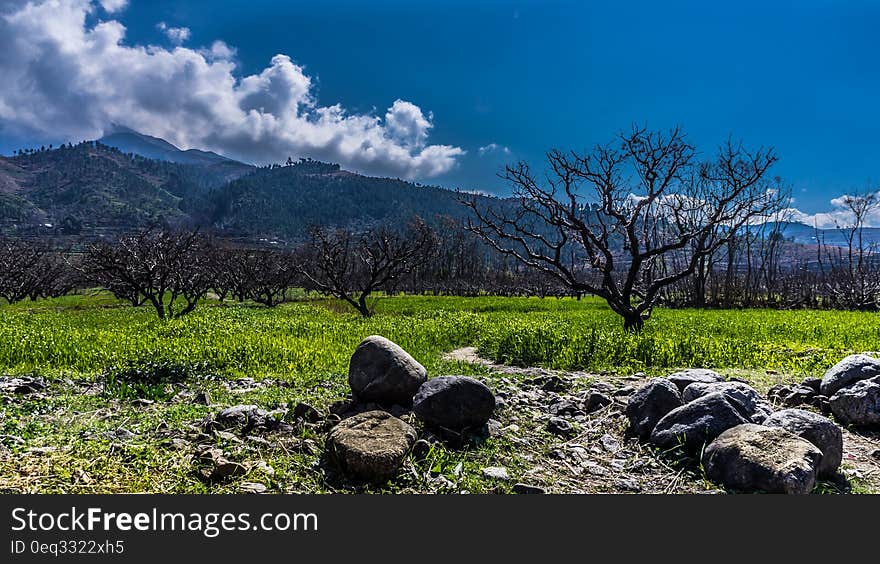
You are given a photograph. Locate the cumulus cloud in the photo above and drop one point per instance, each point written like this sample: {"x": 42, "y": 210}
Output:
{"x": 113, "y": 6}
{"x": 67, "y": 77}
{"x": 177, "y": 35}
{"x": 840, "y": 215}
{"x": 493, "y": 148}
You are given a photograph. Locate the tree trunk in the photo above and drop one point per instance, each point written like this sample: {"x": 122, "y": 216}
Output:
{"x": 633, "y": 322}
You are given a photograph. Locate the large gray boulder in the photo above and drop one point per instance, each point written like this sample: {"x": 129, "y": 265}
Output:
{"x": 749, "y": 398}
{"x": 454, "y": 403}
{"x": 382, "y": 372}
{"x": 817, "y": 429}
{"x": 848, "y": 371}
{"x": 370, "y": 446}
{"x": 685, "y": 378}
{"x": 858, "y": 404}
{"x": 697, "y": 423}
{"x": 756, "y": 458}
{"x": 649, "y": 404}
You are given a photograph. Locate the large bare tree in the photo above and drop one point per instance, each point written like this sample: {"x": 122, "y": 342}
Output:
{"x": 629, "y": 218}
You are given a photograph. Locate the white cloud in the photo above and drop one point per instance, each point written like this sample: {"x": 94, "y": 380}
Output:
{"x": 65, "y": 77}
{"x": 493, "y": 148}
{"x": 113, "y": 6}
{"x": 838, "y": 216}
{"x": 176, "y": 35}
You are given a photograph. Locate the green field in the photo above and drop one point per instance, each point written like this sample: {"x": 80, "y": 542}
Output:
{"x": 59, "y": 442}
{"x": 312, "y": 340}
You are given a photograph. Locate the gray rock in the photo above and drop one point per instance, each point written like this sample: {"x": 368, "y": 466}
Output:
{"x": 559, "y": 426}
{"x": 817, "y": 429}
{"x": 685, "y": 378}
{"x": 241, "y": 416}
{"x": 813, "y": 383}
{"x": 756, "y": 458}
{"x": 306, "y": 412}
{"x": 454, "y": 403}
{"x": 858, "y": 404}
{"x": 528, "y": 489}
{"x": 496, "y": 473}
{"x": 382, "y": 372}
{"x": 649, "y": 404}
{"x": 697, "y": 423}
{"x": 202, "y": 398}
{"x": 564, "y": 408}
{"x": 848, "y": 371}
{"x": 370, "y": 446}
{"x": 595, "y": 400}
{"x": 748, "y": 397}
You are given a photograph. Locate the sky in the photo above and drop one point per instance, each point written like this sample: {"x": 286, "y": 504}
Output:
{"x": 448, "y": 92}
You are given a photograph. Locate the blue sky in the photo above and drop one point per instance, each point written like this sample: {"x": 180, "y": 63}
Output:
{"x": 529, "y": 76}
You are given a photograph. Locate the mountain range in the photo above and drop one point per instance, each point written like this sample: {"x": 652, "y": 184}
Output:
{"x": 127, "y": 179}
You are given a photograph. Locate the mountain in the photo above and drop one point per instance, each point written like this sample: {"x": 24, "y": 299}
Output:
{"x": 130, "y": 141}
{"x": 93, "y": 189}
{"x": 803, "y": 234}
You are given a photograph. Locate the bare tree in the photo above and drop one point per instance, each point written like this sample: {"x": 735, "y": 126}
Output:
{"x": 352, "y": 266}
{"x": 609, "y": 222}
{"x": 165, "y": 268}
{"x": 852, "y": 273}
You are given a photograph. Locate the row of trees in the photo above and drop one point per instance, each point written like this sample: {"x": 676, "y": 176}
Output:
{"x": 638, "y": 222}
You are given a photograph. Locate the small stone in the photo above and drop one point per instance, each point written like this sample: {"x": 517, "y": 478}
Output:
{"x": 627, "y": 485}
{"x": 609, "y": 443}
{"x": 564, "y": 408}
{"x": 202, "y": 398}
{"x": 494, "y": 428}
{"x": 496, "y": 473}
{"x": 624, "y": 391}
{"x": 306, "y": 412}
{"x": 812, "y": 383}
{"x": 142, "y": 402}
{"x": 528, "y": 489}
{"x": 226, "y": 469}
{"x": 420, "y": 449}
{"x": 241, "y": 416}
{"x": 559, "y": 426}
{"x": 595, "y": 401}
{"x": 252, "y": 488}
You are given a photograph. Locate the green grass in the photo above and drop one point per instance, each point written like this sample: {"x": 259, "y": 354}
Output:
{"x": 59, "y": 443}
{"x": 309, "y": 341}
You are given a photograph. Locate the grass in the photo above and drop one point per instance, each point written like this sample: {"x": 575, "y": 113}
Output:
{"x": 62, "y": 441}
{"x": 309, "y": 341}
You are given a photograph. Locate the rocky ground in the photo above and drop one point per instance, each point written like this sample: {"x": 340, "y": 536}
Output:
{"x": 536, "y": 431}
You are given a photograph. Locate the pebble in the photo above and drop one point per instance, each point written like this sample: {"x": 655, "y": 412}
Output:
{"x": 496, "y": 473}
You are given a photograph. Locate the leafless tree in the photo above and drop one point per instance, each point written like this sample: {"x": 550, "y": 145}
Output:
{"x": 350, "y": 266}
{"x": 32, "y": 270}
{"x": 609, "y": 221}
{"x": 852, "y": 273}
{"x": 168, "y": 269}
